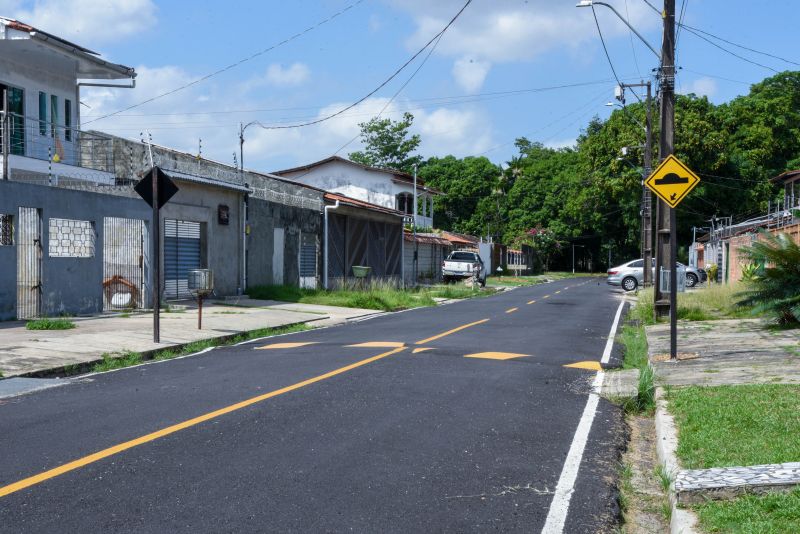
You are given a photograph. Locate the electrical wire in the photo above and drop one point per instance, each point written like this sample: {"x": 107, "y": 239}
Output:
{"x": 379, "y": 87}
{"x": 633, "y": 48}
{"x": 734, "y": 54}
{"x": 608, "y": 57}
{"x": 232, "y": 65}
{"x": 743, "y": 47}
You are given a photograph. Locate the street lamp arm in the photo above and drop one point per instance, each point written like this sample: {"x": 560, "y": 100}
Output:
{"x": 590, "y": 3}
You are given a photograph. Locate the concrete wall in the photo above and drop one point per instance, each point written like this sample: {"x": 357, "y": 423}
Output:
{"x": 265, "y": 218}
{"x": 429, "y": 268}
{"x": 69, "y": 285}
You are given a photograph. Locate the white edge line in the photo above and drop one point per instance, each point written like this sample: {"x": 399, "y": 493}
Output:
{"x": 557, "y": 514}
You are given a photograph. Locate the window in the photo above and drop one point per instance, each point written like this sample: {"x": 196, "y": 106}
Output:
{"x": 637, "y": 264}
{"x": 42, "y": 113}
{"x": 16, "y": 110}
{"x": 405, "y": 203}
{"x": 71, "y": 239}
{"x": 67, "y": 119}
{"x": 6, "y": 230}
{"x": 464, "y": 256}
{"x": 53, "y": 115}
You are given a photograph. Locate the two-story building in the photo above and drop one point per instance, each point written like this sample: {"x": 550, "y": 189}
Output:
{"x": 388, "y": 188}
{"x": 41, "y": 76}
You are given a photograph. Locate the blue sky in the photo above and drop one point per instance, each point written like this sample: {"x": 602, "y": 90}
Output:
{"x": 497, "y": 46}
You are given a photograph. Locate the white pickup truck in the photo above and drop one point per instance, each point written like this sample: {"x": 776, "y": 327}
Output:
{"x": 461, "y": 264}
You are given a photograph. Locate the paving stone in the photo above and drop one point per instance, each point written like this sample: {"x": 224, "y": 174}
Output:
{"x": 694, "y": 486}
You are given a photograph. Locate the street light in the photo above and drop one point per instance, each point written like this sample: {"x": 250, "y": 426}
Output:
{"x": 592, "y": 3}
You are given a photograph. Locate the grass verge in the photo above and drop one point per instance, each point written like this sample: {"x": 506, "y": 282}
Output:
{"x": 717, "y": 301}
{"x": 50, "y": 324}
{"x": 128, "y": 358}
{"x": 776, "y": 513}
{"x": 374, "y": 298}
{"x": 728, "y": 426}
{"x": 634, "y": 341}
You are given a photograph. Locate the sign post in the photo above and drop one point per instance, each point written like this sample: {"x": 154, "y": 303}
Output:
{"x": 156, "y": 189}
{"x": 671, "y": 182}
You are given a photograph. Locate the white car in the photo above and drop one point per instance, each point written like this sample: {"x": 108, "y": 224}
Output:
{"x": 462, "y": 264}
{"x": 631, "y": 275}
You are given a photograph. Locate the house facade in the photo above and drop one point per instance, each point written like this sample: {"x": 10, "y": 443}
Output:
{"x": 387, "y": 188}
{"x": 41, "y": 76}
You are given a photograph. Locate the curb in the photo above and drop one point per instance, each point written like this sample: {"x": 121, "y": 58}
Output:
{"x": 682, "y": 521}
{"x": 71, "y": 370}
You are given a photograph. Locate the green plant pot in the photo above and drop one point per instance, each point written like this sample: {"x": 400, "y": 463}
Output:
{"x": 360, "y": 271}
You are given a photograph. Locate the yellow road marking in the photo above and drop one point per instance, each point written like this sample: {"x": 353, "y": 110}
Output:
{"x": 531, "y": 302}
{"x": 496, "y": 355}
{"x": 379, "y": 345}
{"x": 453, "y": 331}
{"x": 285, "y": 345}
{"x": 557, "y": 292}
{"x": 589, "y": 366}
{"x": 421, "y": 349}
{"x": 511, "y": 310}
{"x": 116, "y": 449}
{"x": 546, "y": 297}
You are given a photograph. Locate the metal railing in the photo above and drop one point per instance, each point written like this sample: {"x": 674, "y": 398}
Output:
{"x": 42, "y": 140}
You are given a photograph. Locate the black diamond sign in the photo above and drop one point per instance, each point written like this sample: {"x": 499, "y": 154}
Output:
{"x": 166, "y": 187}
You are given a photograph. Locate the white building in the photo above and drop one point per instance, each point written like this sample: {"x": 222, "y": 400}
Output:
{"x": 388, "y": 188}
{"x": 41, "y": 76}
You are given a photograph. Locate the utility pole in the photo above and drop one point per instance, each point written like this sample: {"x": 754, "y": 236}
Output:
{"x": 414, "y": 228}
{"x": 666, "y": 236}
{"x": 6, "y": 131}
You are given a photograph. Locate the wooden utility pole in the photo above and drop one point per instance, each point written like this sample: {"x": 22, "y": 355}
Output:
{"x": 6, "y": 134}
{"x": 666, "y": 249}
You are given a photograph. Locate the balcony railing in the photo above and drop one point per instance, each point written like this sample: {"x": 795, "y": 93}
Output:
{"x": 42, "y": 140}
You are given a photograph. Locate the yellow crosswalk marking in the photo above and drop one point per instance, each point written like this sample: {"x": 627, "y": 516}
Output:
{"x": 589, "y": 366}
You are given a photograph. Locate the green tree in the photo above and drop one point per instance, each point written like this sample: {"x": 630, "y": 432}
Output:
{"x": 387, "y": 144}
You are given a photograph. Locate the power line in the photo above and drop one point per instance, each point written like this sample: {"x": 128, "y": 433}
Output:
{"x": 232, "y": 65}
{"x": 413, "y": 74}
{"x": 734, "y": 54}
{"x": 743, "y": 47}
{"x": 381, "y": 86}
{"x": 605, "y": 49}
{"x": 633, "y": 48}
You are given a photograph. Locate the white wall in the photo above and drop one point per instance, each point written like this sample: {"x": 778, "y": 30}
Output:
{"x": 375, "y": 187}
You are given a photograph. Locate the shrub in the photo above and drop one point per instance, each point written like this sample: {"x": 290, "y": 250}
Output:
{"x": 776, "y": 289}
{"x": 50, "y": 324}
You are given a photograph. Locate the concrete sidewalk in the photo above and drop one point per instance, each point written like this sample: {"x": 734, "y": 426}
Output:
{"x": 31, "y": 352}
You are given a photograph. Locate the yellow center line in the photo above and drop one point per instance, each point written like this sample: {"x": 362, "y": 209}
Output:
{"x": 511, "y": 310}
{"x": 557, "y": 292}
{"x": 453, "y": 331}
{"x": 531, "y": 302}
{"x": 116, "y": 449}
{"x": 546, "y": 297}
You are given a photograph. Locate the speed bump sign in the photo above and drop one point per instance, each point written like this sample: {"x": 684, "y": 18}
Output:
{"x": 672, "y": 181}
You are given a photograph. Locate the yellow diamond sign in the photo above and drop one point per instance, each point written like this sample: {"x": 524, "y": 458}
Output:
{"x": 672, "y": 181}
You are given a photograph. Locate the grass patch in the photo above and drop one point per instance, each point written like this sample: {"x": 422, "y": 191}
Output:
{"x": 634, "y": 341}
{"x": 384, "y": 298}
{"x": 518, "y": 281}
{"x": 716, "y": 301}
{"x": 50, "y": 324}
{"x": 776, "y": 513}
{"x": 129, "y": 358}
{"x": 727, "y": 426}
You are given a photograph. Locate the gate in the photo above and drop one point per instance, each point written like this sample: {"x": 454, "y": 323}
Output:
{"x": 308, "y": 260}
{"x": 123, "y": 263}
{"x": 181, "y": 255}
{"x": 29, "y": 263}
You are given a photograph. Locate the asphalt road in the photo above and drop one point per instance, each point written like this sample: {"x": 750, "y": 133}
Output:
{"x": 318, "y": 435}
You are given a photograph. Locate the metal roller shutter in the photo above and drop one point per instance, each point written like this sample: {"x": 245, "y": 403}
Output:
{"x": 181, "y": 254}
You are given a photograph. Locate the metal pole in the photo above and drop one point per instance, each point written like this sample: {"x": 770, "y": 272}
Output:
{"x": 156, "y": 231}
{"x": 647, "y": 212}
{"x": 6, "y": 134}
{"x": 414, "y": 229}
{"x": 573, "y": 258}
{"x": 199, "y": 312}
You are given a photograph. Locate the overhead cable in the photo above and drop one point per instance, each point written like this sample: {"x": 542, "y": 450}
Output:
{"x": 232, "y": 65}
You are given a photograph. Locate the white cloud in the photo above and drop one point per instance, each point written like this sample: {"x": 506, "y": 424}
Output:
{"x": 502, "y": 31}
{"x": 470, "y": 74}
{"x": 86, "y": 21}
{"x": 701, "y": 87}
{"x": 280, "y": 76}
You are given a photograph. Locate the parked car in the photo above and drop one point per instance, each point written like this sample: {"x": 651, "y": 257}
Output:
{"x": 631, "y": 275}
{"x": 461, "y": 264}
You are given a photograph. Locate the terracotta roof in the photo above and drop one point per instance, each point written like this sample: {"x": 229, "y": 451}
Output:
{"x": 788, "y": 176}
{"x": 462, "y": 239}
{"x": 347, "y": 201}
{"x": 426, "y": 238}
{"x": 403, "y": 176}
